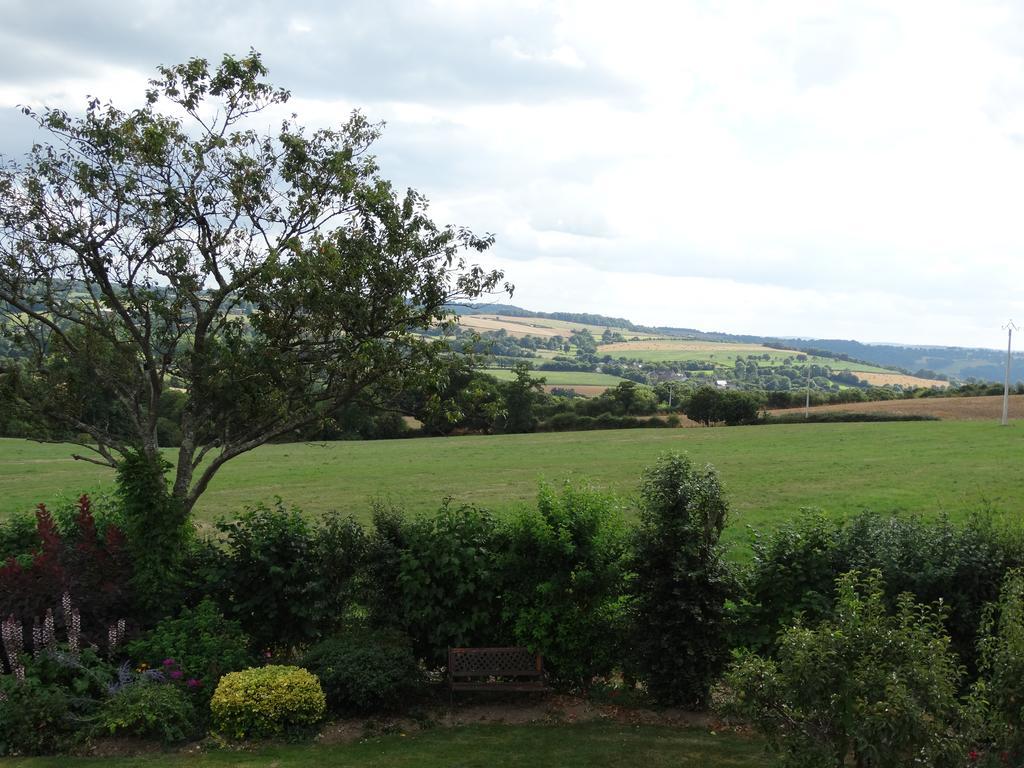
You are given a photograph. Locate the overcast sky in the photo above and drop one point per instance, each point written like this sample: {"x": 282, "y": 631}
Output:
{"x": 818, "y": 169}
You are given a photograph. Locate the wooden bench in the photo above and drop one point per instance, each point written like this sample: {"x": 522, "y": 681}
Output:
{"x": 495, "y": 669}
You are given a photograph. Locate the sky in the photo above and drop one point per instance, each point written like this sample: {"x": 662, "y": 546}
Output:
{"x": 799, "y": 169}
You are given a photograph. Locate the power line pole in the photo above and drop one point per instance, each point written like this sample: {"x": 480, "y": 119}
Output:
{"x": 1010, "y": 328}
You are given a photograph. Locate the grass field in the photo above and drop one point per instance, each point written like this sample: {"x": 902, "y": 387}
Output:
{"x": 478, "y": 746}
{"x": 769, "y": 472}
{"x": 561, "y": 378}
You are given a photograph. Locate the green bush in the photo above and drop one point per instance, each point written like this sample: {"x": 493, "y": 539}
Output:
{"x": 203, "y": 643}
{"x": 157, "y": 527}
{"x": 449, "y": 585}
{"x": 339, "y": 546}
{"x": 795, "y": 566}
{"x": 365, "y": 670}
{"x": 286, "y": 582}
{"x": 793, "y": 573}
{"x": 18, "y": 536}
{"x": 85, "y": 676}
{"x": 267, "y": 701}
{"x": 33, "y": 717}
{"x": 1000, "y": 691}
{"x": 565, "y": 583}
{"x": 878, "y": 688}
{"x": 681, "y": 583}
{"x": 379, "y": 586}
{"x": 150, "y": 710}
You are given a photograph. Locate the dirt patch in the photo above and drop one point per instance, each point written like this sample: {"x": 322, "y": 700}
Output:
{"x": 551, "y": 709}
{"x": 466, "y": 710}
{"x": 126, "y": 746}
{"x": 988, "y": 408}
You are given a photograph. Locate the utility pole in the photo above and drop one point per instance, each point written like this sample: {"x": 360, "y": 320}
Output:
{"x": 1010, "y": 328}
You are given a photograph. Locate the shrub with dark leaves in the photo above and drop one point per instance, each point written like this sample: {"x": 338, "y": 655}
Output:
{"x": 364, "y": 670}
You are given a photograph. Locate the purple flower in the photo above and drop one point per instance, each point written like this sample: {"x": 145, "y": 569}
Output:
{"x": 176, "y": 674}
{"x": 193, "y": 683}
{"x": 169, "y": 662}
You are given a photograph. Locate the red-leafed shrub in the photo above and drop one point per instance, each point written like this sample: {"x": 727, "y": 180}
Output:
{"x": 94, "y": 570}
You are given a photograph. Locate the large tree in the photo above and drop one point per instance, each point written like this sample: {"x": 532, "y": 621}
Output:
{"x": 269, "y": 277}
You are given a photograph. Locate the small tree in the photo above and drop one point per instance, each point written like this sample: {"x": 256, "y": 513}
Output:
{"x": 521, "y": 395}
{"x": 681, "y": 582}
{"x": 876, "y": 688}
{"x": 270, "y": 278}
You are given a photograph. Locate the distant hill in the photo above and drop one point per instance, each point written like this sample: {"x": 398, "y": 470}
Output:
{"x": 956, "y": 363}
{"x": 584, "y": 318}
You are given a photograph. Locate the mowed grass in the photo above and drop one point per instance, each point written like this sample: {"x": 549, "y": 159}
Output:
{"x": 560, "y": 378}
{"x": 769, "y": 472}
{"x": 586, "y": 745}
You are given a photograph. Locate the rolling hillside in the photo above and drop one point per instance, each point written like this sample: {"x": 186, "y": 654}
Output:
{"x": 621, "y": 340}
{"x": 959, "y": 363}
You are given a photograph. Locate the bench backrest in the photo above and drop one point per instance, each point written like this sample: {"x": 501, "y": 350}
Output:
{"x": 480, "y": 662}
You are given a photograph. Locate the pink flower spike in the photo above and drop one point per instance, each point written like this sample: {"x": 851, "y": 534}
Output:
{"x": 176, "y": 674}
{"x": 168, "y": 662}
{"x": 193, "y": 683}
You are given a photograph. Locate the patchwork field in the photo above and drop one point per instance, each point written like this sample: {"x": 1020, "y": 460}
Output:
{"x": 652, "y": 348}
{"x": 769, "y": 472}
{"x": 721, "y": 353}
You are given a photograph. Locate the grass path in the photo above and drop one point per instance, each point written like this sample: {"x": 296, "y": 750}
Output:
{"x": 590, "y": 745}
{"x": 768, "y": 471}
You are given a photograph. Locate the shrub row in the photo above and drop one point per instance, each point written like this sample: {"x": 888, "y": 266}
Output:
{"x": 839, "y": 417}
{"x": 368, "y": 610}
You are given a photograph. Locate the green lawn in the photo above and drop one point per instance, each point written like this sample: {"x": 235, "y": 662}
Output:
{"x": 560, "y": 378}
{"x": 769, "y": 472}
{"x": 590, "y": 745}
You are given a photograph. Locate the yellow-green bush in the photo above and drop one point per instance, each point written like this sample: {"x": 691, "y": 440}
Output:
{"x": 266, "y": 701}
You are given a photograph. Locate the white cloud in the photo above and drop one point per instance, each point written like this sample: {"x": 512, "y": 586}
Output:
{"x": 813, "y": 168}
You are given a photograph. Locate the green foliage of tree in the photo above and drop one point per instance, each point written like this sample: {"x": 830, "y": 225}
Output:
{"x": 267, "y": 276}
{"x": 522, "y": 395}
{"x": 463, "y": 400}
{"x": 865, "y": 686}
{"x": 681, "y": 583}
{"x": 709, "y": 406}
